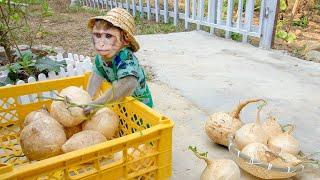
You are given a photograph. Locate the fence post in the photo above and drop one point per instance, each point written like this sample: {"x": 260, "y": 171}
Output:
{"x": 176, "y": 12}
{"x": 141, "y": 9}
{"x": 134, "y": 8}
{"x": 269, "y": 24}
{"x": 229, "y": 17}
{"x": 200, "y": 13}
{"x": 248, "y": 18}
{"x": 165, "y": 8}
{"x": 219, "y": 11}
{"x": 157, "y": 10}
{"x": 187, "y": 14}
{"x": 148, "y": 10}
{"x": 194, "y": 8}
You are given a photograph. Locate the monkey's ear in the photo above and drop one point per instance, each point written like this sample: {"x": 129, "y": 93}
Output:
{"x": 125, "y": 39}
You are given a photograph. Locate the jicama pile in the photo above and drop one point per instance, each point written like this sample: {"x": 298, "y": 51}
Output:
{"x": 225, "y": 169}
{"x": 266, "y": 142}
{"x": 221, "y": 125}
{"x": 66, "y": 128}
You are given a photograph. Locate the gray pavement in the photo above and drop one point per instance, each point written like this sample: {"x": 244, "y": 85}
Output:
{"x": 214, "y": 74}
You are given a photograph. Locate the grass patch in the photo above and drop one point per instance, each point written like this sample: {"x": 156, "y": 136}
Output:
{"x": 151, "y": 27}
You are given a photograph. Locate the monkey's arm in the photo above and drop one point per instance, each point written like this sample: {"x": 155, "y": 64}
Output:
{"x": 94, "y": 83}
{"x": 120, "y": 89}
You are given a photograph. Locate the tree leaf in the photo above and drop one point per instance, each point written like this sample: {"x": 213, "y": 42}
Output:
{"x": 46, "y": 63}
{"x": 15, "y": 67}
{"x": 283, "y": 5}
{"x": 26, "y": 56}
{"x": 291, "y": 38}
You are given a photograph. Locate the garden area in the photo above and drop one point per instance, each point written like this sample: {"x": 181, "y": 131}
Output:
{"x": 222, "y": 108}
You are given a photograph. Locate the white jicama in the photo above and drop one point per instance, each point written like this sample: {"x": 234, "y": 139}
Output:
{"x": 257, "y": 151}
{"x": 219, "y": 169}
{"x": 285, "y": 142}
{"x": 272, "y": 127}
{"x": 39, "y": 115}
{"x": 250, "y": 133}
{"x": 70, "y": 116}
{"x": 41, "y": 140}
{"x": 83, "y": 139}
{"x": 221, "y": 125}
{"x": 104, "y": 121}
{"x": 286, "y": 160}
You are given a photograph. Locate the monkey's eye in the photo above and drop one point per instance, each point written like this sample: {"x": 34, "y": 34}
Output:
{"x": 98, "y": 35}
{"x": 108, "y": 36}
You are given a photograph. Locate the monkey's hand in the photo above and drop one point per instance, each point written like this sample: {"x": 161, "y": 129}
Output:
{"x": 119, "y": 90}
{"x": 88, "y": 110}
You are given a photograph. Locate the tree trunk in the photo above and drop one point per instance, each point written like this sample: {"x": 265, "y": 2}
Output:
{"x": 7, "y": 51}
{"x": 7, "y": 48}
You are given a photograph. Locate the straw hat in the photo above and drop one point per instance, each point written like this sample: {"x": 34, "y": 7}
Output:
{"x": 122, "y": 19}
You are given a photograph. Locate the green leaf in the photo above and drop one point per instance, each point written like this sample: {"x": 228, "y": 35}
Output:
{"x": 46, "y": 63}
{"x": 14, "y": 67}
{"x": 26, "y": 56}
{"x": 291, "y": 38}
{"x": 15, "y": 17}
{"x": 13, "y": 76}
{"x": 282, "y": 34}
{"x": 283, "y": 5}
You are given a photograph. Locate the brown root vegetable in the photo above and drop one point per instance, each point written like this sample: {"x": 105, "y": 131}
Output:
{"x": 219, "y": 169}
{"x": 250, "y": 133}
{"x": 257, "y": 151}
{"x": 70, "y": 131}
{"x": 286, "y": 160}
{"x": 135, "y": 154}
{"x": 83, "y": 139}
{"x": 284, "y": 142}
{"x": 38, "y": 115}
{"x": 104, "y": 121}
{"x": 70, "y": 116}
{"x": 42, "y": 139}
{"x": 272, "y": 127}
{"x": 221, "y": 125}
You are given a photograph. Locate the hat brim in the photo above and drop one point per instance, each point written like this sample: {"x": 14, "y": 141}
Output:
{"x": 133, "y": 42}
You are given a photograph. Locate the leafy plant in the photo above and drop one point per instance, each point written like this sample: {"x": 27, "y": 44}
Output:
{"x": 283, "y": 5}
{"x": 302, "y": 22}
{"x": 236, "y": 36}
{"x": 30, "y": 64}
{"x": 289, "y": 37}
{"x": 194, "y": 149}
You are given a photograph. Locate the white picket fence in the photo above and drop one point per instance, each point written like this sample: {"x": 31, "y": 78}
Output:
{"x": 76, "y": 65}
{"x": 209, "y": 13}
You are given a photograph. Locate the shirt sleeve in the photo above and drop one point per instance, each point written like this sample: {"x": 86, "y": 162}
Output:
{"x": 95, "y": 68}
{"x": 96, "y": 71}
{"x": 128, "y": 67}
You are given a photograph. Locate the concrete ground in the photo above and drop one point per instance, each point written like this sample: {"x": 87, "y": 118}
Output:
{"x": 198, "y": 74}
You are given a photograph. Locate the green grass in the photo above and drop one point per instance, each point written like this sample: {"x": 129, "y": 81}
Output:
{"x": 151, "y": 27}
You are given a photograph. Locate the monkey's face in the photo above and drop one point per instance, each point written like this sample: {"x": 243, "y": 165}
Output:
{"x": 108, "y": 42}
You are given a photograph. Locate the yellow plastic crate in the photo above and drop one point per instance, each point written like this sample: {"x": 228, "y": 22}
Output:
{"x": 139, "y": 125}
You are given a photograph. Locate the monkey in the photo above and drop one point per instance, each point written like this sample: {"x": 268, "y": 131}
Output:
{"x": 113, "y": 40}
